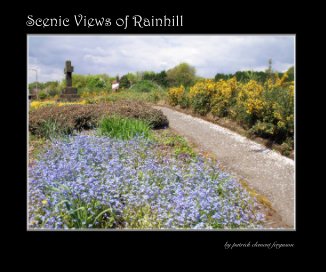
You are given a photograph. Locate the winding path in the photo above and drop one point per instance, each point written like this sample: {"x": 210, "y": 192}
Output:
{"x": 266, "y": 171}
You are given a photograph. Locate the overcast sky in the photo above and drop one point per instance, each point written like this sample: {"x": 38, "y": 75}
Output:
{"x": 120, "y": 54}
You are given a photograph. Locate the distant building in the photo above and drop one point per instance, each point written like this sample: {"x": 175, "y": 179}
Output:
{"x": 115, "y": 85}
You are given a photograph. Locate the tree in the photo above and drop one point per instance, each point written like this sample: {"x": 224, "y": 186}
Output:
{"x": 182, "y": 74}
{"x": 124, "y": 82}
{"x": 131, "y": 78}
{"x": 290, "y": 73}
{"x": 219, "y": 76}
{"x": 149, "y": 75}
{"x": 161, "y": 79}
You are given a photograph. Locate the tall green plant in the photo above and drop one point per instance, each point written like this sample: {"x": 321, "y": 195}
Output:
{"x": 123, "y": 128}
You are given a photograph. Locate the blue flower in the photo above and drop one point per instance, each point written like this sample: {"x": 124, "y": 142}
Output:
{"x": 86, "y": 175}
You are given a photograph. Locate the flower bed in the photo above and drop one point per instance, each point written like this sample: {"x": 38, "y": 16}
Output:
{"x": 100, "y": 182}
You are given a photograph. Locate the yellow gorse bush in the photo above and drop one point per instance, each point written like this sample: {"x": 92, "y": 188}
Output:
{"x": 276, "y": 81}
{"x": 250, "y": 97}
{"x": 222, "y": 97}
{"x": 264, "y": 108}
{"x": 207, "y": 86}
{"x": 175, "y": 95}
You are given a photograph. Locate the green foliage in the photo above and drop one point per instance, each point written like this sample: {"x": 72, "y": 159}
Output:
{"x": 149, "y": 75}
{"x": 259, "y": 76}
{"x": 178, "y": 144}
{"x": 184, "y": 102}
{"x": 219, "y": 76}
{"x": 263, "y": 129}
{"x": 152, "y": 97}
{"x": 50, "y": 129}
{"x": 161, "y": 79}
{"x": 42, "y": 95}
{"x": 124, "y": 82}
{"x": 246, "y": 76}
{"x": 279, "y": 111}
{"x": 290, "y": 73}
{"x": 145, "y": 86}
{"x": 132, "y": 78}
{"x": 201, "y": 103}
{"x": 158, "y": 78}
{"x": 53, "y": 92}
{"x": 95, "y": 82}
{"x": 123, "y": 128}
{"x": 155, "y": 96}
{"x": 91, "y": 83}
{"x": 182, "y": 74}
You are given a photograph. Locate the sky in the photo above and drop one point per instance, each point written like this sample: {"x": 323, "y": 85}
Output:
{"x": 120, "y": 54}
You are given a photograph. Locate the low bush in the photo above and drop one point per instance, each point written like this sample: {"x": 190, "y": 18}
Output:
{"x": 69, "y": 118}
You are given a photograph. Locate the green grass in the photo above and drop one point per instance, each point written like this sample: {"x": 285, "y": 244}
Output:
{"x": 50, "y": 129}
{"x": 123, "y": 128}
{"x": 179, "y": 146}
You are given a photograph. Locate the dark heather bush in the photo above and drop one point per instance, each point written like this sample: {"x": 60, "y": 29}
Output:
{"x": 78, "y": 117}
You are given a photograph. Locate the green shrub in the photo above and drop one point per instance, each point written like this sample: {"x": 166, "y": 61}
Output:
{"x": 155, "y": 96}
{"x": 145, "y": 86}
{"x": 42, "y": 95}
{"x": 263, "y": 129}
{"x": 123, "y": 128}
{"x": 184, "y": 102}
{"x": 201, "y": 103}
{"x": 124, "y": 82}
{"x": 53, "y": 92}
{"x": 286, "y": 148}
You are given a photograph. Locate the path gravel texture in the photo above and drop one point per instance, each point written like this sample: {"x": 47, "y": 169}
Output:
{"x": 266, "y": 171}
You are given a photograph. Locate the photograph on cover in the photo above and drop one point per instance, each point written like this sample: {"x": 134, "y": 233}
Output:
{"x": 161, "y": 132}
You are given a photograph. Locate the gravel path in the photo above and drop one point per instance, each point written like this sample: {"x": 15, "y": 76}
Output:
{"x": 266, "y": 171}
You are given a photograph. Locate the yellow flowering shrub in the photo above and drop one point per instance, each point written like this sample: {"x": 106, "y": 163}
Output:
{"x": 201, "y": 94}
{"x": 277, "y": 118}
{"x": 250, "y": 98}
{"x": 207, "y": 87}
{"x": 175, "y": 95}
{"x": 223, "y": 97}
{"x": 266, "y": 109}
{"x": 277, "y": 82}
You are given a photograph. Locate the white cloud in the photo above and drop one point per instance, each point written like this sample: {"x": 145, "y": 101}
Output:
{"x": 119, "y": 54}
